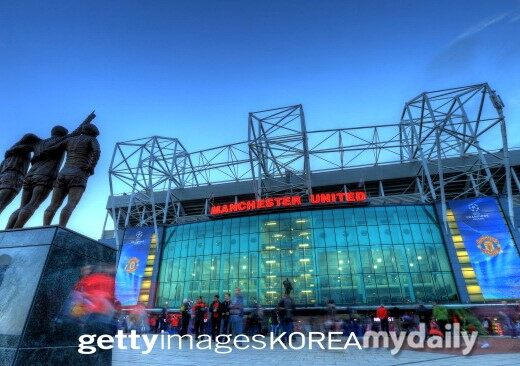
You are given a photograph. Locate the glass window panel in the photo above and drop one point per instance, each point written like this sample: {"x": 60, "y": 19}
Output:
{"x": 378, "y": 263}
{"x": 348, "y": 215}
{"x": 317, "y": 219}
{"x": 373, "y": 235}
{"x": 366, "y": 259}
{"x": 199, "y": 247}
{"x": 391, "y": 214}
{"x": 385, "y": 234}
{"x": 370, "y": 289}
{"x": 370, "y": 214}
{"x": 332, "y": 262}
{"x": 426, "y": 233}
{"x": 450, "y": 287}
{"x": 354, "y": 260}
{"x": 192, "y": 247}
{"x": 383, "y": 289}
{"x": 407, "y": 287}
{"x": 389, "y": 258}
{"x": 234, "y": 244}
{"x": 362, "y": 235}
{"x": 394, "y": 287}
{"x": 416, "y": 233}
{"x": 244, "y": 243}
{"x": 395, "y": 233}
{"x": 339, "y": 221}
{"x": 401, "y": 259}
{"x": 412, "y": 258}
{"x": 418, "y": 286}
{"x": 443, "y": 258}
{"x": 341, "y": 236}
{"x": 352, "y": 236}
{"x": 244, "y": 225}
{"x": 320, "y": 237}
{"x": 412, "y": 214}
{"x": 422, "y": 258}
{"x": 226, "y": 244}
{"x": 358, "y": 288}
{"x": 328, "y": 218}
{"x": 324, "y": 288}
{"x": 441, "y": 292}
{"x": 359, "y": 215}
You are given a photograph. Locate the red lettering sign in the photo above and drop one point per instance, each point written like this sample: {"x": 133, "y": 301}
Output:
{"x": 288, "y": 201}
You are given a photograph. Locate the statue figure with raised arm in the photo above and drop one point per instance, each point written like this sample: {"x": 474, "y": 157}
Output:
{"x": 45, "y": 165}
{"x": 83, "y": 153}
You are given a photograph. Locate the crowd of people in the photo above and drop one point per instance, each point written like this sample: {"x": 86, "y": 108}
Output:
{"x": 228, "y": 316}
{"x": 220, "y": 316}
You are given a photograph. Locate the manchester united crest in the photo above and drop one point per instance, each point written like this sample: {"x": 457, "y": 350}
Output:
{"x": 489, "y": 245}
{"x": 131, "y": 265}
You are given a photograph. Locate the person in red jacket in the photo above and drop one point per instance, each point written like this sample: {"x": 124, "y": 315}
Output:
{"x": 382, "y": 314}
{"x": 199, "y": 310}
{"x": 97, "y": 291}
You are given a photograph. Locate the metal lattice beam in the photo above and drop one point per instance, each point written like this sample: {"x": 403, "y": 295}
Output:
{"x": 456, "y": 138}
{"x": 278, "y": 149}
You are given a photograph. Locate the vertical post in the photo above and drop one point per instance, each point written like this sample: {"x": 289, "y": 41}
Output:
{"x": 112, "y": 199}
{"x": 441, "y": 178}
{"x": 306, "y": 161}
{"x": 507, "y": 167}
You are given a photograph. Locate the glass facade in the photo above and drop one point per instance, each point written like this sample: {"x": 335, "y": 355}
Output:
{"x": 355, "y": 256}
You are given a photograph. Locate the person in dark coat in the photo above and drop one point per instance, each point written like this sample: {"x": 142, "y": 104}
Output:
{"x": 216, "y": 317}
{"x": 185, "y": 316}
{"x": 224, "y": 311}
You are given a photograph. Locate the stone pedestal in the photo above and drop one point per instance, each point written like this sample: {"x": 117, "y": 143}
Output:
{"x": 39, "y": 268}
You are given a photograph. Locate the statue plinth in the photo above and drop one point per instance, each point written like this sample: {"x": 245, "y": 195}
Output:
{"x": 39, "y": 268}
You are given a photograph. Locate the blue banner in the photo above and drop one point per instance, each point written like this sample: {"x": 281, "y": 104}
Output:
{"x": 132, "y": 263}
{"x": 490, "y": 247}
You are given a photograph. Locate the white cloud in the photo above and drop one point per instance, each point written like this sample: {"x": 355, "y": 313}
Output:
{"x": 480, "y": 27}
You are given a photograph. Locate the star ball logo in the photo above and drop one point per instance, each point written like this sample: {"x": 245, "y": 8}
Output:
{"x": 475, "y": 213}
{"x": 131, "y": 265}
{"x": 138, "y": 240}
{"x": 474, "y": 208}
{"x": 489, "y": 245}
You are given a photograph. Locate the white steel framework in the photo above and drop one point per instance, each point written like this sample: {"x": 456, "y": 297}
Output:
{"x": 456, "y": 139}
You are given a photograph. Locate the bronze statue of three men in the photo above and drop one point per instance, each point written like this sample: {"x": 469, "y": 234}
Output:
{"x": 81, "y": 151}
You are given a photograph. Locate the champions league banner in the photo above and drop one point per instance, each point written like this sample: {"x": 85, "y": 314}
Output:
{"x": 490, "y": 246}
{"x": 132, "y": 264}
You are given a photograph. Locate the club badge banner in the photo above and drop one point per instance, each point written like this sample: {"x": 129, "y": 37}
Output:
{"x": 490, "y": 247}
{"x": 132, "y": 263}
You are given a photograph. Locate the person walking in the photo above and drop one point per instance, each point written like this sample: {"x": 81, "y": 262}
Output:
{"x": 508, "y": 324}
{"x": 286, "y": 309}
{"x": 199, "y": 309}
{"x": 424, "y": 317}
{"x": 236, "y": 311}
{"x": 440, "y": 314}
{"x": 162, "y": 321}
{"x": 382, "y": 314}
{"x": 224, "y": 311}
{"x": 255, "y": 326}
{"x": 185, "y": 316}
{"x": 274, "y": 323}
{"x": 216, "y": 316}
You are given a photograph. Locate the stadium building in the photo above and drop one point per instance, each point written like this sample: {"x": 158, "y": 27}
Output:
{"x": 423, "y": 210}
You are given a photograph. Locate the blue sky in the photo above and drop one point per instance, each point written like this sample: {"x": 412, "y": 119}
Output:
{"x": 171, "y": 68}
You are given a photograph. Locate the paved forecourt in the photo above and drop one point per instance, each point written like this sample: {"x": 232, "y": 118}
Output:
{"x": 315, "y": 357}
